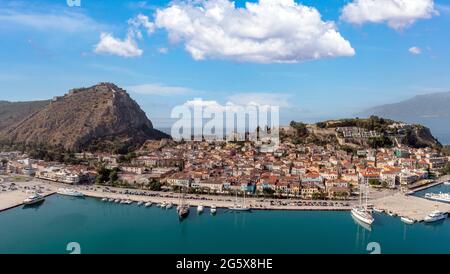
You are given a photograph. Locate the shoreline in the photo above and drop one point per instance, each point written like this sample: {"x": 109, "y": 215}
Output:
{"x": 254, "y": 205}
{"x": 12, "y": 199}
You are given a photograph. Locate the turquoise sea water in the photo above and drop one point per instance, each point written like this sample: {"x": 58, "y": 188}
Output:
{"x": 101, "y": 227}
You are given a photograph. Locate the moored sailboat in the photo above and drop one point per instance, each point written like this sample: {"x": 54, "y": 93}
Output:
{"x": 361, "y": 212}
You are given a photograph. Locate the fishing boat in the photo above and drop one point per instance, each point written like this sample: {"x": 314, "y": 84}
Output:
{"x": 447, "y": 183}
{"x": 140, "y": 203}
{"x": 169, "y": 206}
{"x": 104, "y": 199}
{"x": 361, "y": 212}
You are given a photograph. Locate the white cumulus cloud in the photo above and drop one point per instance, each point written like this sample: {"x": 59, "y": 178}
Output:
{"x": 415, "y": 50}
{"x": 127, "y": 47}
{"x": 268, "y": 31}
{"x": 110, "y": 45}
{"x": 398, "y": 14}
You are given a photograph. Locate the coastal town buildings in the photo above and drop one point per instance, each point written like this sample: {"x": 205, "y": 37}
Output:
{"x": 309, "y": 171}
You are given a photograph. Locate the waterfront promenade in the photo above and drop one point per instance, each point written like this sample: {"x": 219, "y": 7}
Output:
{"x": 391, "y": 201}
{"x": 14, "y": 198}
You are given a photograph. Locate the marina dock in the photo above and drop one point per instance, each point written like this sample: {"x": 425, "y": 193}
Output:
{"x": 13, "y": 199}
{"x": 219, "y": 202}
{"x": 437, "y": 182}
{"x": 409, "y": 206}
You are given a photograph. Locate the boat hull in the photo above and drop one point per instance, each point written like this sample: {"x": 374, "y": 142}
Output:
{"x": 407, "y": 221}
{"x": 361, "y": 217}
{"x": 34, "y": 202}
{"x": 435, "y": 219}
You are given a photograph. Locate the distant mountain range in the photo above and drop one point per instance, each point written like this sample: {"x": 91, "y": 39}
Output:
{"x": 431, "y": 110}
{"x": 99, "y": 117}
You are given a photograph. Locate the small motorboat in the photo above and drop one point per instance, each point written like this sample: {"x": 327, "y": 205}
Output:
{"x": 200, "y": 209}
{"x": 213, "y": 209}
{"x": 407, "y": 220}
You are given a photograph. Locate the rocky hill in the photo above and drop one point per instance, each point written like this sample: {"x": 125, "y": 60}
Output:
{"x": 360, "y": 133}
{"x": 95, "y": 118}
{"x": 14, "y": 112}
{"x": 431, "y": 110}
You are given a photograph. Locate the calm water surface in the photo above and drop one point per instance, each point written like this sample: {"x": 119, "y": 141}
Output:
{"x": 101, "y": 227}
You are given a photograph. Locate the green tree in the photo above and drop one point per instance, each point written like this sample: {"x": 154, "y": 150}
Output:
{"x": 4, "y": 162}
{"x": 113, "y": 177}
{"x": 154, "y": 185}
{"x": 446, "y": 169}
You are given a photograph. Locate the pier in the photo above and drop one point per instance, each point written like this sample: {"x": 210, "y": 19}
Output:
{"x": 409, "y": 206}
{"x": 435, "y": 183}
{"x": 15, "y": 198}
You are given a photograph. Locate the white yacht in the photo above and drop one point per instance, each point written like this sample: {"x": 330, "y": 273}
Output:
{"x": 169, "y": 206}
{"x": 200, "y": 209}
{"x": 441, "y": 197}
{"x": 34, "y": 199}
{"x": 140, "y": 203}
{"x": 361, "y": 212}
{"x": 69, "y": 192}
{"x": 447, "y": 183}
{"x": 435, "y": 216}
{"x": 213, "y": 209}
{"x": 104, "y": 199}
{"x": 163, "y": 205}
{"x": 148, "y": 204}
{"x": 407, "y": 220}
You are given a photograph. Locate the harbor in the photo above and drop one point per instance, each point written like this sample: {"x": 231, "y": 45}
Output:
{"x": 412, "y": 207}
{"x": 112, "y": 228}
{"x": 15, "y": 197}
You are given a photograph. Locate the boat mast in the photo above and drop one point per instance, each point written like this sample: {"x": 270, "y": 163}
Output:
{"x": 367, "y": 195}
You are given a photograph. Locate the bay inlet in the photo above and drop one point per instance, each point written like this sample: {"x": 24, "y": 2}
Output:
{"x": 101, "y": 227}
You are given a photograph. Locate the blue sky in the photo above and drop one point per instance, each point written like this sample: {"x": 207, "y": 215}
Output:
{"x": 47, "y": 48}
